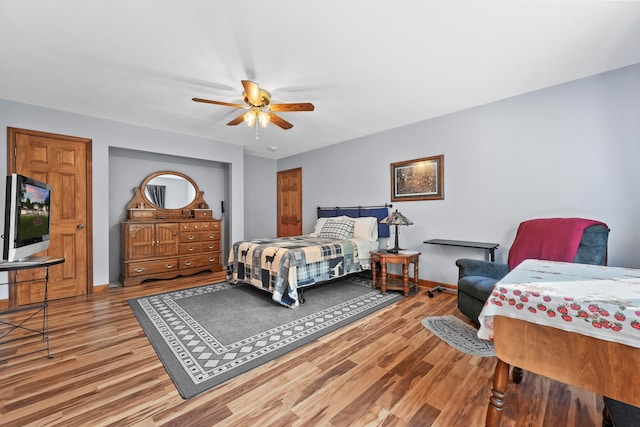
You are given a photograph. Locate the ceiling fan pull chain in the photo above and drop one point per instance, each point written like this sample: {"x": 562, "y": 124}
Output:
{"x": 257, "y": 136}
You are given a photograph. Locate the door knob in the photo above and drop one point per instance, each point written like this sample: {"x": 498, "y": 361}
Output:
{"x": 80, "y": 226}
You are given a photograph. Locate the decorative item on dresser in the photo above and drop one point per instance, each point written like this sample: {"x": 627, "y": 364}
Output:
{"x": 169, "y": 232}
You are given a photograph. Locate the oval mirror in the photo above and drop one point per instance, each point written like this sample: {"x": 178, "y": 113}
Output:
{"x": 169, "y": 190}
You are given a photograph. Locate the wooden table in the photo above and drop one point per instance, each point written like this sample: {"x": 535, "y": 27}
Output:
{"x": 384, "y": 257}
{"x": 564, "y": 339}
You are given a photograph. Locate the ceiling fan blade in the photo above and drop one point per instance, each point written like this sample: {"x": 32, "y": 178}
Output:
{"x": 300, "y": 106}
{"x": 237, "y": 120}
{"x": 279, "y": 121}
{"x": 208, "y": 101}
{"x": 252, "y": 91}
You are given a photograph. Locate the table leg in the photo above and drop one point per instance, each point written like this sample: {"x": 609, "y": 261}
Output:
{"x": 496, "y": 401}
{"x": 383, "y": 279}
{"x": 405, "y": 278}
{"x": 416, "y": 276}
{"x": 374, "y": 268}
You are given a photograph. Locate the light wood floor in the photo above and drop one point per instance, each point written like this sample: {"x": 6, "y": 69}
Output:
{"x": 385, "y": 370}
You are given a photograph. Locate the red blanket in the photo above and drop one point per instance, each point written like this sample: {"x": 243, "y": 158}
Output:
{"x": 551, "y": 239}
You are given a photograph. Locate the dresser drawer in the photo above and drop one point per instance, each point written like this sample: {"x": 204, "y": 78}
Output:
{"x": 190, "y": 236}
{"x": 193, "y": 248}
{"x": 152, "y": 267}
{"x": 213, "y": 225}
{"x": 142, "y": 213}
{"x": 207, "y": 236}
{"x": 195, "y": 226}
{"x": 202, "y": 213}
{"x": 196, "y": 261}
{"x": 210, "y": 246}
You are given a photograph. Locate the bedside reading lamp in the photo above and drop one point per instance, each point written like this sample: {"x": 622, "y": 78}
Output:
{"x": 396, "y": 218}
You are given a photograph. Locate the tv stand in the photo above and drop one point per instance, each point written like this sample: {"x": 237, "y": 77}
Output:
{"x": 21, "y": 316}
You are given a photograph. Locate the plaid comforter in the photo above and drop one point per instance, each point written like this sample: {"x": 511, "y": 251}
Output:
{"x": 282, "y": 265}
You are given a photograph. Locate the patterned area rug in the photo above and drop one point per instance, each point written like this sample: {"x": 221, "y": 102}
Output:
{"x": 209, "y": 334}
{"x": 459, "y": 335}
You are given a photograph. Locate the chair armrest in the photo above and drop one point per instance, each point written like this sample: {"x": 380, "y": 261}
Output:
{"x": 476, "y": 267}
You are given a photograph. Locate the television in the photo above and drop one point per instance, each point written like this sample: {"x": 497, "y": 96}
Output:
{"x": 26, "y": 218}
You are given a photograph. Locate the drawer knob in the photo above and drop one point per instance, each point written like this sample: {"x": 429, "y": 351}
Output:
{"x": 169, "y": 266}
{"x": 191, "y": 237}
{"x": 187, "y": 263}
{"x": 139, "y": 269}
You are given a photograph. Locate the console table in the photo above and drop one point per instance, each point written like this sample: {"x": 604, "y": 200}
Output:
{"x": 489, "y": 247}
{"x": 574, "y": 323}
{"x": 14, "y": 320}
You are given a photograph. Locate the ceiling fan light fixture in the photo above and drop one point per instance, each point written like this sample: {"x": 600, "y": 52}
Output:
{"x": 257, "y": 117}
{"x": 263, "y": 119}
{"x": 250, "y": 118}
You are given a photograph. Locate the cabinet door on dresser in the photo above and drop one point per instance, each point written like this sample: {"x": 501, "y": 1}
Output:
{"x": 148, "y": 240}
{"x": 167, "y": 239}
{"x": 138, "y": 240}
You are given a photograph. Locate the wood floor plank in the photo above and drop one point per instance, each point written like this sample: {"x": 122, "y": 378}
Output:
{"x": 384, "y": 370}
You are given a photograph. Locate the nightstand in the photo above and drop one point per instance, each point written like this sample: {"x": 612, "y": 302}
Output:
{"x": 383, "y": 282}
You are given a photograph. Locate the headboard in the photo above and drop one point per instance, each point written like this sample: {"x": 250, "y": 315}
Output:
{"x": 379, "y": 212}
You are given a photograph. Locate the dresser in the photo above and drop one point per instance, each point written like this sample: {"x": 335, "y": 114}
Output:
{"x": 163, "y": 249}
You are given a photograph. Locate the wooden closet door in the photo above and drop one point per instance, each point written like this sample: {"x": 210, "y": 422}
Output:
{"x": 64, "y": 163}
{"x": 290, "y": 202}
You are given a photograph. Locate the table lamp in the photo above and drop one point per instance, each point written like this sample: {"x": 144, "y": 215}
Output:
{"x": 396, "y": 218}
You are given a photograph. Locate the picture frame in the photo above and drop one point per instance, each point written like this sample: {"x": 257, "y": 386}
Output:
{"x": 418, "y": 179}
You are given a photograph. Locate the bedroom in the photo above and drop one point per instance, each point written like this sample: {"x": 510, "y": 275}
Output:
{"x": 564, "y": 150}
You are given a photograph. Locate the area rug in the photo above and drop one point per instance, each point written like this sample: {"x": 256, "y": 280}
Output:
{"x": 459, "y": 335}
{"x": 209, "y": 334}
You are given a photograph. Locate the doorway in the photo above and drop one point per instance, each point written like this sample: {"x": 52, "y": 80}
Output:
{"x": 64, "y": 162}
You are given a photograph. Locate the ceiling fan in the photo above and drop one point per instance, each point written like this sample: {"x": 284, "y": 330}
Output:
{"x": 261, "y": 111}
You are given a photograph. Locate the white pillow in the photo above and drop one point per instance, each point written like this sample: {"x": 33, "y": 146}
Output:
{"x": 337, "y": 228}
{"x": 366, "y": 228}
{"x": 319, "y": 224}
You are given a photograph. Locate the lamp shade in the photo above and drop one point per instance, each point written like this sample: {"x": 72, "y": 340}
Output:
{"x": 396, "y": 218}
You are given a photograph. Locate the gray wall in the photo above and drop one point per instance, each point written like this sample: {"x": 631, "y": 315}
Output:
{"x": 107, "y": 135}
{"x": 565, "y": 151}
{"x": 260, "y": 193}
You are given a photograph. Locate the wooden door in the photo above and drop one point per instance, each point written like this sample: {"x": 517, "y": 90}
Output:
{"x": 64, "y": 163}
{"x": 290, "y": 202}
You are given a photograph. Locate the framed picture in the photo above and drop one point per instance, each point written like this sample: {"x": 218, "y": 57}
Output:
{"x": 419, "y": 179}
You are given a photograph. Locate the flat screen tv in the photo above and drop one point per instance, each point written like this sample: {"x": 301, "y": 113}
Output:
{"x": 26, "y": 218}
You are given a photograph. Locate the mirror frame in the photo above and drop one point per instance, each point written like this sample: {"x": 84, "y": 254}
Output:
{"x": 141, "y": 201}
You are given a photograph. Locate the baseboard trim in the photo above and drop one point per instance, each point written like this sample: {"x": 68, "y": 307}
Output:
{"x": 427, "y": 284}
{"x": 99, "y": 289}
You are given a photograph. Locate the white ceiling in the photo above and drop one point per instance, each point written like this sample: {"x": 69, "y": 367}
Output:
{"x": 366, "y": 65}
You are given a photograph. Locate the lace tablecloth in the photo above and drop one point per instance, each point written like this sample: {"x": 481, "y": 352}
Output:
{"x": 601, "y": 302}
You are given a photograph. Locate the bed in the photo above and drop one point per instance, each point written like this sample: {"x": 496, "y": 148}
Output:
{"x": 338, "y": 246}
